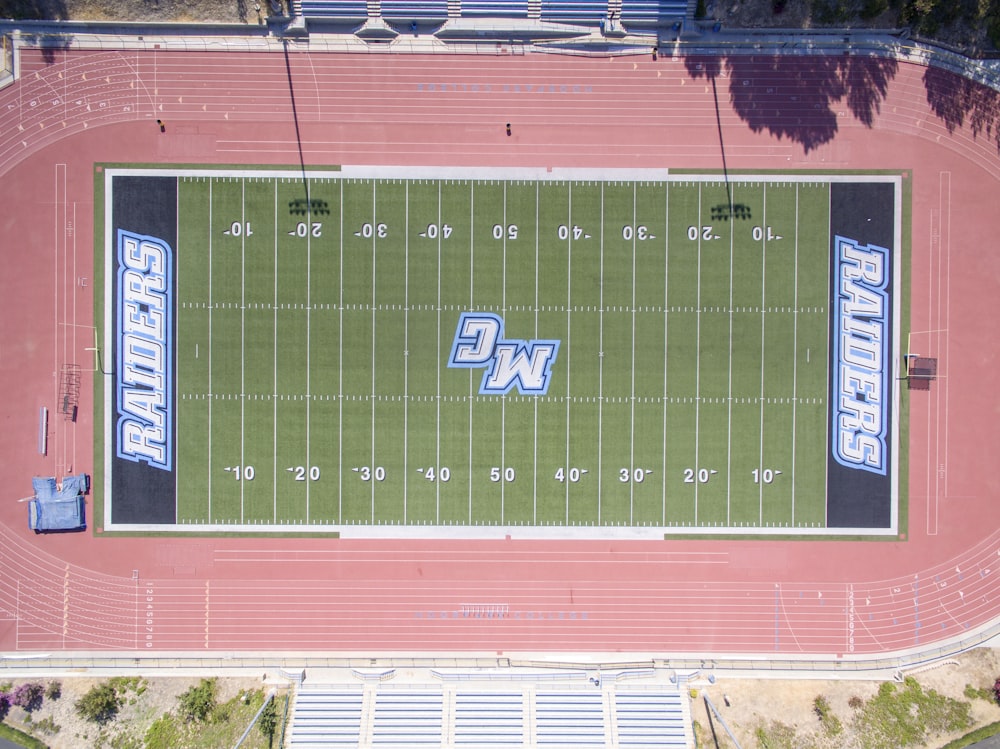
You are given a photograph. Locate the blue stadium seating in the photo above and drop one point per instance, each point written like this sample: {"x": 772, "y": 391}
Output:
{"x": 495, "y": 8}
{"x": 575, "y": 11}
{"x": 652, "y": 11}
{"x": 334, "y": 9}
{"x": 415, "y": 10}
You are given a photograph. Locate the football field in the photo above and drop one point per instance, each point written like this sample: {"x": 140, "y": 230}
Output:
{"x": 472, "y": 352}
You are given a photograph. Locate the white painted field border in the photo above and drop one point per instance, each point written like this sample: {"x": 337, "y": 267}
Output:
{"x": 243, "y": 346}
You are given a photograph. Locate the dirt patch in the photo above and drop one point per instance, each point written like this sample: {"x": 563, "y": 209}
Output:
{"x": 756, "y": 703}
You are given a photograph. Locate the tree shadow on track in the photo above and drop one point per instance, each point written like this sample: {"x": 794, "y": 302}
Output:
{"x": 794, "y": 97}
{"x": 957, "y": 101}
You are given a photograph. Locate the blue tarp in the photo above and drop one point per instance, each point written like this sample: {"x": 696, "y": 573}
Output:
{"x": 58, "y": 508}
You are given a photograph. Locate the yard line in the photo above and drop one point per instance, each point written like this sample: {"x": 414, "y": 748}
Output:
{"x": 472, "y": 292}
{"x": 374, "y": 235}
{"x": 274, "y": 418}
{"x": 729, "y": 399}
{"x": 569, "y": 318}
{"x": 406, "y": 338}
{"x": 631, "y": 428}
{"x": 697, "y": 362}
{"x": 437, "y": 429}
{"x": 666, "y": 324}
{"x": 309, "y": 224}
{"x": 826, "y": 388}
{"x": 795, "y": 344}
{"x": 340, "y": 365}
{"x": 600, "y": 369}
{"x": 763, "y": 313}
{"x": 534, "y": 467}
{"x": 503, "y": 399}
{"x": 243, "y": 344}
{"x": 210, "y": 306}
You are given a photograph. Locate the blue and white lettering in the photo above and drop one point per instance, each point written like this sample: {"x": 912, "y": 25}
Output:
{"x": 143, "y": 375}
{"x": 860, "y": 373}
{"x": 526, "y": 365}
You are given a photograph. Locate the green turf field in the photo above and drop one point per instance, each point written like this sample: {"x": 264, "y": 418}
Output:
{"x": 688, "y": 391}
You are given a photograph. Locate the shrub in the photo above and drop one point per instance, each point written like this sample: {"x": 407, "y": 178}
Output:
{"x": 100, "y": 704}
{"x": 996, "y": 690}
{"x": 197, "y": 702}
{"x": 54, "y": 690}
{"x": 268, "y": 721}
{"x": 855, "y": 702}
{"x": 28, "y": 696}
{"x": 165, "y": 733}
{"x": 4, "y": 705}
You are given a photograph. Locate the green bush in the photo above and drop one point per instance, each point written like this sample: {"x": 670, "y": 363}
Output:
{"x": 268, "y": 721}
{"x": 164, "y": 733}
{"x": 197, "y": 702}
{"x": 100, "y": 704}
{"x": 897, "y": 718}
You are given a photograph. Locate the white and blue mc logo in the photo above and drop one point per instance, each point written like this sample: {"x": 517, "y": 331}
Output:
{"x": 479, "y": 342}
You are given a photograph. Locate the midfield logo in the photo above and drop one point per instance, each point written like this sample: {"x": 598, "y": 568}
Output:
{"x": 479, "y": 342}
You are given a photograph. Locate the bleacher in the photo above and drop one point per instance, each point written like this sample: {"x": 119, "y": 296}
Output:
{"x": 414, "y": 10}
{"x": 590, "y": 12}
{"x": 577, "y": 12}
{"x": 406, "y": 718}
{"x": 653, "y": 12}
{"x": 651, "y": 718}
{"x": 564, "y": 720}
{"x": 494, "y": 8}
{"x": 491, "y": 719}
{"x": 326, "y": 717}
{"x": 467, "y": 714}
{"x": 334, "y": 9}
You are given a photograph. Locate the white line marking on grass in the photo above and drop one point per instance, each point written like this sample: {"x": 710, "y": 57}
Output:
{"x": 697, "y": 361}
{"x": 374, "y": 235}
{"x": 472, "y": 294}
{"x": 534, "y": 467}
{"x": 340, "y": 367}
{"x": 795, "y": 346}
{"x": 729, "y": 400}
{"x": 503, "y": 398}
{"x": 243, "y": 343}
{"x": 210, "y": 307}
{"x": 600, "y": 370}
{"x": 437, "y": 423}
{"x": 569, "y": 318}
{"x": 666, "y": 320}
{"x": 406, "y": 344}
{"x": 274, "y": 418}
{"x": 763, "y": 313}
{"x": 631, "y": 426}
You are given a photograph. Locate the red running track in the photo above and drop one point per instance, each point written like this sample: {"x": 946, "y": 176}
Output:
{"x": 85, "y": 591}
